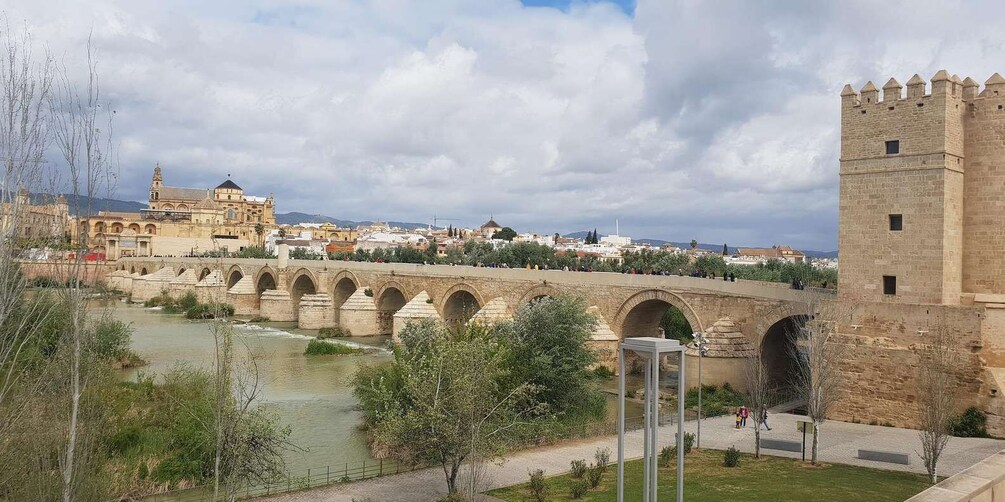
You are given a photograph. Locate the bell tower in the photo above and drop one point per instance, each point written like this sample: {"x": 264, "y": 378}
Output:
{"x": 155, "y": 187}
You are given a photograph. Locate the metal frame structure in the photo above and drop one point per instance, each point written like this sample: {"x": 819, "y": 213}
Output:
{"x": 651, "y": 349}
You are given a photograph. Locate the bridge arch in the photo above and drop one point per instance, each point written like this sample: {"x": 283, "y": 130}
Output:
{"x": 460, "y": 303}
{"x": 181, "y": 270}
{"x": 265, "y": 279}
{"x": 234, "y": 274}
{"x": 205, "y": 271}
{"x": 536, "y": 293}
{"x": 640, "y": 314}
{"x": 343, "y": 285}
{"x": 780, "y": 350}
{"x": 304, "y": 283}
{"x": 143, "y": 271}
{"x": 389, "y": 299}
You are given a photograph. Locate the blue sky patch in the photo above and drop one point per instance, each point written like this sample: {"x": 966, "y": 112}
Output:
{"x": 628, "y": 6}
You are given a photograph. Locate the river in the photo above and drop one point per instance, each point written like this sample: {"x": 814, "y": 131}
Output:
{"x": 310, "y": 394}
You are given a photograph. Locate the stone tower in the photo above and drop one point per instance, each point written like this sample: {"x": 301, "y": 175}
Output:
{"x": 922, "y": 191}
{"x": 155, "y": 187}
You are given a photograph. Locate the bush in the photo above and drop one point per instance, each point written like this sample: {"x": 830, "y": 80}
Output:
{"x": 668, "y": 455}
{"x": 187, "y": 301}
{"x": 602, "y": 457}
{"x": 368, "y": 292}
{"x": 578, "y": 489}
{"x": 713, "y": 410}
{"x": 595, "y": 474}
{"x": 336, "y": 332}
{"x": 731, "y": 457}
{"x": 210, "y": 311}
{"x": 972, "y": 423}
{"x": 259, "y": 318}
{"x": 538, "y": 488}
{"x": 111, "y": 338}
{"x": 319, "y": 348}
{"x": 578, "y": 468}
{"x": 603, "y": 372}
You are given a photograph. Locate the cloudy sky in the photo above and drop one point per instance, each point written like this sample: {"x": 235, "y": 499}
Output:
{"x": 709, "y": 120}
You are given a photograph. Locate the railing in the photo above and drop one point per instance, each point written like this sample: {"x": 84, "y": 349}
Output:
{"x": 349, "y": 472}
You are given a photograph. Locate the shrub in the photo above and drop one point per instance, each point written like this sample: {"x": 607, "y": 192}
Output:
{"x": 603, "y": 372}
{"x": 595, "y": 474}
{"x": 336, "y": 332}
{"x": 319, "y": 348}
{"x": 538, "y": 488}
{"x": 368, "y": 292}
{"x": 210, "y": 311}
{"x": 713, "y": 409}
{"x": 602, "y": 457}
{"x": 578, "y": 489}
{"x": 111, "y": 338}
{"x": 972, "y": 423}
{"x": 187, "y": 301}
{"x": 731, "y": 457}
{"x": 259, "y": 318}
{"x": 688, "y": 442}
{"x": 578, "y": 468}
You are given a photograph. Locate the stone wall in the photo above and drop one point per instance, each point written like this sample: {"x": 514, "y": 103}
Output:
{"x": 316, "y": 311}
{"x": 984, "y": 194}
{"x": 981, "y": 482}
{"x": 277, "y": 306}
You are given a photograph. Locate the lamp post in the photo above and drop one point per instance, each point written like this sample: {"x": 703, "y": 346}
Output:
{"x": 701, "y": 342}
{"x": 651, "y": 349}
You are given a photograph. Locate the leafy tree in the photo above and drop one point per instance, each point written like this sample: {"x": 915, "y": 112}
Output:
{"x": 255, "y": 252}
{"x": 445, "y": 398}
{"x": 282, "y": 233}
{"x": 710, "y": 264}
{"x": 675, "y": 325}
{"x": 505, "y": 233}
{"x": 260, "y": 231}
{"x": 547, "y": 341}
{"x": 694, "y": 244}
{"x": 725, "y": 250}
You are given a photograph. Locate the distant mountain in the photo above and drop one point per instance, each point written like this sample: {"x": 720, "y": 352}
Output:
{"x": 101, "y": 204}
{"x": 295, "y": 218}
{"x": 702, "y": 245}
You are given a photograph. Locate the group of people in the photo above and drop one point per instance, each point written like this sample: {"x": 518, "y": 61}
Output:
{"x": 743, "y": 413}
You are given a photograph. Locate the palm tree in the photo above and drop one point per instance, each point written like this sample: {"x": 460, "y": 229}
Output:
{"x": 260, "y": 231}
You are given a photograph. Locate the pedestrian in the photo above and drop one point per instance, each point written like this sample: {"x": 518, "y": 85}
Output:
{"x": 764, "y": 419}
{"x": 744, "y": 413}
{"x": 738, "y": 419}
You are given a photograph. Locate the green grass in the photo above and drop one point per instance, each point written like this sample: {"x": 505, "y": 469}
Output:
{"x": 319, "y": 348}
{"x": 769, "y": 478}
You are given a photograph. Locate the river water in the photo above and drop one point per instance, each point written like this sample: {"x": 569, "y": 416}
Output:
{"x": 311, "y": 394}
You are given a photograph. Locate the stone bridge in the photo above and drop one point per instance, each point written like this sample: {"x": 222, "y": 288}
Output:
{"x": 379, "y": 298}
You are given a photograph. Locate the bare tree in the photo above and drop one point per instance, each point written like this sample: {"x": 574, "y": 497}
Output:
{"x": 25, "y": 87}
{"x": 937, "y": 386}
{"x": 818, "y": 378}
{"x": 757, "y": 380}
{"x": 81, "y": 127}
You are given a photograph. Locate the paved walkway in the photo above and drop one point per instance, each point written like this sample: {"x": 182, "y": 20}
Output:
{"x": 839, "y": 443}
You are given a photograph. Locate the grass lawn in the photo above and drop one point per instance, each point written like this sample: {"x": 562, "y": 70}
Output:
{"x": 770, "y": 478}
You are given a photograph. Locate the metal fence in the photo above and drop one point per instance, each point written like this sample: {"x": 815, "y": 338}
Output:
{"x": 348, "y": 472}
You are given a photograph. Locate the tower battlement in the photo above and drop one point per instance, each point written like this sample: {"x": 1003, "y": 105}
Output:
{"x": 917, "y": 88}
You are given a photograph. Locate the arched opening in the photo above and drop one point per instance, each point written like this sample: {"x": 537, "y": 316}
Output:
{"x": 150, "y": 229}
{"x": 234, "y": 278}
{"x": 116, "y": 228}
{"x": 135, "y": 227}
{"x": 655, "y": 318}
{"x": 132, "y": 270}
{"x": 265, "y": 282}
{"x": 343, "y": 289}
{"x": 779, "y": 352}
{"x": 181, "y": 271}
{"x": 460, "y": 306}
{"x": 143, "y": 271}
{"x": 390, "y": 301}
{"x": 204, "y": 273}
{"x": 99, "y": 227}
{"x": 304, "y": 285}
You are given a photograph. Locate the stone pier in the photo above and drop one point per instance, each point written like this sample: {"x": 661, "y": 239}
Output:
{"x": 359, "y": 314}
{"x": 316, "y": 311}
{"x": 243, "y": 297}
{"x": 276, "y": 305}
{"x": 419, "y": 308}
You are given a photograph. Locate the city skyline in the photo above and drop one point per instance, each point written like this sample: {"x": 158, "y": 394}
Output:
{"x": 548, "y": 118}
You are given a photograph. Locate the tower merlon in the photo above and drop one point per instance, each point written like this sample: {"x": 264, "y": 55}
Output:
{"x": 940, "y": 82}
{"x": 994, "y": 86}
{"x": 891, "y": 90}
{"x": 869, "y": 92}
{"x": 970, "y": 88}
{"x": 916, "y": 87}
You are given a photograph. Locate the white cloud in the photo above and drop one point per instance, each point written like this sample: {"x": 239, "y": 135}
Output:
{"x": 715, "y": 121}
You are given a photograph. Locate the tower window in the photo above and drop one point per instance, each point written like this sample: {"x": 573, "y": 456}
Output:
{"x": 889, "y": 284}
{"x": 896, "y": 222}
{"x": 893, "y": 147}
